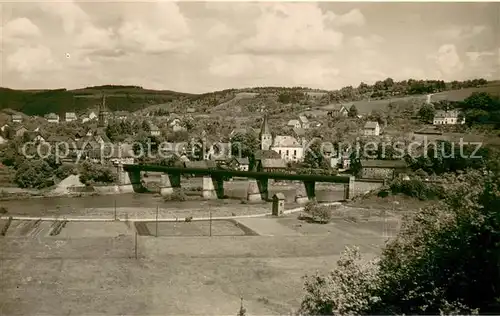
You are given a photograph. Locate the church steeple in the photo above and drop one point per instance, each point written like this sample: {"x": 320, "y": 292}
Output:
{"x": 264, "y": 130}
{"x": 266, "y": 139}
{"x": 102, "y": 112}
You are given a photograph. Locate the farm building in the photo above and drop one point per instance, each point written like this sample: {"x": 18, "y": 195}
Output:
{"x": 382, "y": 169}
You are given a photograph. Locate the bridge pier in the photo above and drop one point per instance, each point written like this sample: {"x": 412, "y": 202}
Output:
{"x": 169, "y": 183}
{"x": 301, "y": 194}
{"x": 129, "y": 181}
{"x": 310, "y": 187}
{"x": 349, "y": 189}
{"x": 257, "y": 190}
{"x": 213, "y": 188}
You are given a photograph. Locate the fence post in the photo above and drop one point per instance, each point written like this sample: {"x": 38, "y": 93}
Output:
{"x": 116, "y": 218}
{"x": 135, "y": 245}
{"x": 157, "y": 209}
{"x": 210, "y": 223}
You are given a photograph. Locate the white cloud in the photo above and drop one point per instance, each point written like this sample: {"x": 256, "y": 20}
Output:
{"x": 353, "y": 17}
{"x": 20, "y": 28}
{"x": 31, "y": 60}
{"x": 477, "y": 56}
{"x": 95, "y": 38}
{"x": 456, "y": 32}
{"x": 448, "y": 61}
{"x": 68, "y": 12}
{"x": 292, "y": 28}
{"x": 366, "y": 42}
{"x": 155, "y": 28}
{"x": 269, "y": 70}
{"x": 219, "y": 29}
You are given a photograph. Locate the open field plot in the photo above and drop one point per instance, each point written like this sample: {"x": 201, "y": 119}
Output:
{"x": 182, "y": 276}
{"x": 196, "y": 228}
{"x": 460, "y": 95}
{"x": 366, "y": 106}
{"x": 28, "y": 228}
{"x": 95, "y": 229}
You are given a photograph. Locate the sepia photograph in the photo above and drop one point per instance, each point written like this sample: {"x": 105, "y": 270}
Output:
{"x": 246, "y": 158}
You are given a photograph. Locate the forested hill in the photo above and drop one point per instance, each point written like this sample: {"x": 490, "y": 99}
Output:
{"x": 133, "y": 98}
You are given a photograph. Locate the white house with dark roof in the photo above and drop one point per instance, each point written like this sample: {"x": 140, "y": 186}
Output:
{"x": 371, "y": 128}
{"x": 304, "y": 122}
{"x": 154, "y": 130}
{"x": 16, "y": 118}
{"x": 288, "y": 147}
{"x": 294, "y": 123}
{"x": 338, "y": 110}
{"x": 52, "y": 118}
{"x": 452, "y": 117}
{"x": 70, "y": 117}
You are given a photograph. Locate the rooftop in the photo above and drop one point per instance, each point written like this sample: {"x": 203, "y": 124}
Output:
{"x": 371, "y": 125}
{"x": 383, "y": 164}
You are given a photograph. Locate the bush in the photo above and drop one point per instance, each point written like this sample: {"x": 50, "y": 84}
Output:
{"x": 35, "y": 174}
{"x": 96, "y": 173}
{"x": 65, "y": 171}
{"x": 178, "y": 196}
{"x": 3, "y": 210}
{"x": 318, "y": 213}
{"x": 444, "y": 261}
{"x": 418, "y": 189}
{"x": 347, "y": 290}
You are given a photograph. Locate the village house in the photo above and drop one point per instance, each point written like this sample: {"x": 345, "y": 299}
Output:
{"x": 2, "y": 140}
{"x": 337, "y": 110}
{"x": 52, "y": 118}
{"x": 271, "y": 165}
{"x": 240, "y": 164}
{"x": 371, "y": 128}
{"x": 201, "y": 164}
{"x": 190, "y": 110}
{"x": 219, "y": 152}
{"x": 113, "y": 154}
{"x": 20, "y": 130}
{"x": 286, "y": 146}
{"x": 304, "y": 122}
{"x": 263, "y": 154}
{"x": 154, "y": 130}
{"x": 452, "y": 117}
{"x": 176, "y": 125}
{"x": 70, "y": 117}
{"x": 4, "y": 127}
{"x": 37, "y": 137}
{"x": 16, "y": 118}
{"x": 121, "y": 115}
{"x": 294, "y": 123}
{"x": 382, "y": 169}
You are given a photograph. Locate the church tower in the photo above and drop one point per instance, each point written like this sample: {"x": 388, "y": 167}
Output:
{"x": 266, "y": 139}
{"x": 102, "y": 116}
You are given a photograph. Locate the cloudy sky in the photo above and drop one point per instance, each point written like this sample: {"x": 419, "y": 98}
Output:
{"x": 206, "y": 46}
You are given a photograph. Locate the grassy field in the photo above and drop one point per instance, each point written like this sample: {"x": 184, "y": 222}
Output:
{"x": 460, "y": 95}
{"x": 172, "y": 275}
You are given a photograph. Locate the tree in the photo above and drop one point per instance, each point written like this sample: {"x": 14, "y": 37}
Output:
{"x": 35, "y": 174}
{"x": 353, "y": 111}
{"x": 91, "y": 173}
{"x": 444, "y": 261}
{"x": 315, "y": 158}
{"x": 426, "y": 113}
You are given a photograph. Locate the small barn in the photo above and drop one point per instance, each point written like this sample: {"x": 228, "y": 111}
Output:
{"x": 382, "y": 169}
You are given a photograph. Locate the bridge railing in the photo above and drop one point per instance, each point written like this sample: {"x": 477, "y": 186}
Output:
{"x": 237, "y": 173}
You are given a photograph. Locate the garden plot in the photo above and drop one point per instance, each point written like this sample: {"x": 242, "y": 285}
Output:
{"x": 95, "y": 229}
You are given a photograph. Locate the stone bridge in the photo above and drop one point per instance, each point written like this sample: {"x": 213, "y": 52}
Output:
{"x": 129, "y": 178}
